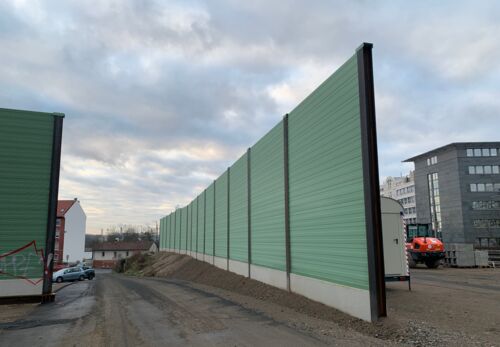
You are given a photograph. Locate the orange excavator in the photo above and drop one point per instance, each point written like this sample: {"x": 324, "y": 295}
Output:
{"x": 423, "y": 246}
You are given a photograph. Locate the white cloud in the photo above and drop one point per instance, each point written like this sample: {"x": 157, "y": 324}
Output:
{"x": 161, "y": 97}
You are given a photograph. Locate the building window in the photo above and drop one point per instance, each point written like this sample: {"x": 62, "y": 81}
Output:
{"x": 484, "y": 187}
{"x": 486, "y": 223}
{"x": 58, "y": 221}
{"x": 486, "y": 205}
{"x": 435, "y": 201}
{"x": 480, "y": 152}
{"x": 432, "y": 160}
{"x": 484, "y": 169}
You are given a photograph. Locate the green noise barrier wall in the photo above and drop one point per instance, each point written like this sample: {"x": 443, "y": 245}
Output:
{"x": 30, "y": 154}
{"x": 300, "y": 210}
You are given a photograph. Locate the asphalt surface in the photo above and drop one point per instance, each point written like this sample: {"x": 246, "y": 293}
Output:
{"x": 114, "y": 310}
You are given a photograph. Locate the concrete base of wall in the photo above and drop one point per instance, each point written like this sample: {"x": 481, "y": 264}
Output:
{"x": 19, "y": 287}
{"x": 272, "y": 277}
{"x": 353, "y": 301}
{"x": 220, "y": 263}
{"x": 208, "y": 259}
{"x": 239, "y": 267}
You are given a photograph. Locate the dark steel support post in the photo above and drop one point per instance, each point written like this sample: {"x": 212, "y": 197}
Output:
{"x": 228, "y": 220}
{"x": 197, "y": 223}
{"x": 50, "y": 236}
{"x": 249, "y": 212}
{"x": 175, "y": 231}
{"x": 287, "y": 202}
{"x": 204, "y": 223}
{"x": 371, "y": 182}
{"x": 213, "y": 231}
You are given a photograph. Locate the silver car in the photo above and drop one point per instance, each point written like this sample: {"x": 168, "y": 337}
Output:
{"x": 69, "y": 274}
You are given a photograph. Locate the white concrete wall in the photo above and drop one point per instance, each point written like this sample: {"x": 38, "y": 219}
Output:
{"x": 74, "y": 233}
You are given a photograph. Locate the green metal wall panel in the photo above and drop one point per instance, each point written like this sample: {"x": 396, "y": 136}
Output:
{"x": 209, "y": 232}
{"x": 167, "y": 231}
{"x": 183, "y": 213}
{"x": 221, "y": 216}
{"x": 238, "y": 210}
{"x": 25, "y": 166}
{"x": 192, "y": 246}
{"x": 268, "y": 200}
{"x": 177, "y": 229}
{"x": 201, "y": 223}
{"x": 162, "y": 235}
{"x": 327, "y": 210}
{"x": 188, "y": 226}
{"x": 171, "y": 230}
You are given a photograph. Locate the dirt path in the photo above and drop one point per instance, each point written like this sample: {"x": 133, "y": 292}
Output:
{"x": 116, "y": 310}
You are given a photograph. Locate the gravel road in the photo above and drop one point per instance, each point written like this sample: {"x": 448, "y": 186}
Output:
{"x": 116, "y": 310}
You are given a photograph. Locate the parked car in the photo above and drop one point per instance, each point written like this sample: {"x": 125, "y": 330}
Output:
{"x": 69, "y": 274}
{"x": 89, "y": 272}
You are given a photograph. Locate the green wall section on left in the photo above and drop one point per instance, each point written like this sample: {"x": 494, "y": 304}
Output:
{"x": 26, "y": 140}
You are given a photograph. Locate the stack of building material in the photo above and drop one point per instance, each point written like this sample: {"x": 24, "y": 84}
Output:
{"x": 481, "y": 258}
{"x": 460, "y": 255}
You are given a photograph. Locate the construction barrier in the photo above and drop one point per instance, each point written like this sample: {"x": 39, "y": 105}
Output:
{"x": 300, "y": 210}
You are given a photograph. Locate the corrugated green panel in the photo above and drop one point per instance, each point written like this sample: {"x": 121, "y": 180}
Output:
{"x": 183, "y": 228}
{"x": 169, "y": 236}
{"x": 238, "y": 210}
{"x": 189, "y": 212}
{"x": 201, "y": 222}
{"x": 221, "y": 216}
{"x": 209, "y": 232}
{"x": 267, "y": 200}
{"x": 188, "y": 225}
{"x": 194, "y": 221}
{"x": 25, "y": 165}
{"x": 162, "y": 235}
{"x": 170, "y": 231}
{"x": 165, "y": 228}
{"x": 177, "y": 229}
{"x": 166, "y": 231}
{"x": 327, "y": 216}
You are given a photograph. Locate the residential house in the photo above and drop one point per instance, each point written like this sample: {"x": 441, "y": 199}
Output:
{"x": 70, "y": 232}
{"x": 106, "y": 255}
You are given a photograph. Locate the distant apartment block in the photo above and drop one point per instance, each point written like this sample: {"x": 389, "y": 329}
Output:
{"x": 70, "y": 232}
{"x": 402, "y": 189}
{"x": 458, "y": 192}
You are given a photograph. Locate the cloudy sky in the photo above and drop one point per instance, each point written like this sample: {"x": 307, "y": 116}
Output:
{"x": 161, "y": 96}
